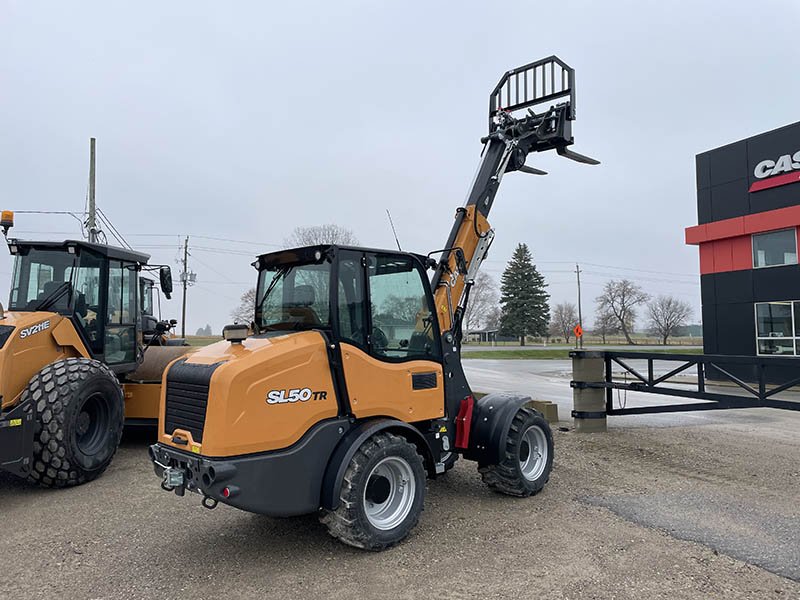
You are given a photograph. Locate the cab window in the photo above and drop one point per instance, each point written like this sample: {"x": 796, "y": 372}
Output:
{"x": 294, "y": 297}
{"x": 88, "y": 311}
{"x": 350, "y": 301}
{"x": 402, "y": 324}
{"x": 41, "y": 280}
{"x": 120, "y": 337}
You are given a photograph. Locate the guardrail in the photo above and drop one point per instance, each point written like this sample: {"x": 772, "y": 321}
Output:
{"x": 593, "y": 383}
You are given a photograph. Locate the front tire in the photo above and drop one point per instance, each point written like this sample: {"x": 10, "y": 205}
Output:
{"x": 79, "y": 418}
{"x": 382, "y": 494}
{"x": 527, "y": 457}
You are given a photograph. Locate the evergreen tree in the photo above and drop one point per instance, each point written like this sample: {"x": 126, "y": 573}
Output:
{"x": 523, "y": 297}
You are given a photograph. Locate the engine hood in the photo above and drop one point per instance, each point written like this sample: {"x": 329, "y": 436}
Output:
{"x": 262, "y": 394}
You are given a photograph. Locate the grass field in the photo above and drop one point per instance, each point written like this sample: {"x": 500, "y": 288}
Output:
{"x": 553, "y": 353}
{"x": 202, "y": 340}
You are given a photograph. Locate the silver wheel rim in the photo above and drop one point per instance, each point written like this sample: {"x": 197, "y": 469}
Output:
{"x": 533, "y": 453}
{"x": 389, "y": 493}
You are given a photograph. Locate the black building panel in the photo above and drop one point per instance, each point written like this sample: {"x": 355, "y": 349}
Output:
{"x": 710, "y": 329}
{"x": 776, "y": 283}
{"x": 733, "y": 287}
{"x": 704, "y": 206}
{"x": 729, "y": 200}
{"x": 708, "y": 293}
{"x": 728, "y": 163}
{"x": 703, "y": 163}
{"x": 774, "y": 198}
{"x": 736, "y": 330}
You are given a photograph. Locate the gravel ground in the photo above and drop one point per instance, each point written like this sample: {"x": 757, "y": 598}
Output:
{"x": 600, "y": 529}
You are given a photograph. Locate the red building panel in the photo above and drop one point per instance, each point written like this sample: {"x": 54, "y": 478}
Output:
{"x": 742, "y": 250}
{"x": 770, "y": 220}
{"x": 723, "y": 255}
{"x": 725, "y": 229}
{"x": 707, "y": 258}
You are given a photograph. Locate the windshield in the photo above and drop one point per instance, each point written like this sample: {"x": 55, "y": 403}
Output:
{"x": 293, "y": 297}
{"x": 43, "y": 279}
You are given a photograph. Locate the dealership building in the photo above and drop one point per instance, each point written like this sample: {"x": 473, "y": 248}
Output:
{"x": 748, "y": 211}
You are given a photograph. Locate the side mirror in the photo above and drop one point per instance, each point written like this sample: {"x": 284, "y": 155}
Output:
{"x": 165, "y": 275}
{"x": 173, "y": 322}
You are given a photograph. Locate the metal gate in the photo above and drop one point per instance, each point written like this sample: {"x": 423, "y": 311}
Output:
{"x": 755, "y": 394}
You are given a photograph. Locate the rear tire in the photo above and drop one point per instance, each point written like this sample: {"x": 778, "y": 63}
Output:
{"x": 79, "y": 417}
{"x": 382, "y": 494}
{"x": 527, "y": 457}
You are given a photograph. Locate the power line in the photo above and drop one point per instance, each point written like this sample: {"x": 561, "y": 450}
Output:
{"x": 225, "y": 277}
{"x": 114, "y": 231}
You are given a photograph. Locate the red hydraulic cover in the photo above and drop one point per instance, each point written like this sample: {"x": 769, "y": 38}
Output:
{"x": 464, "y": 422}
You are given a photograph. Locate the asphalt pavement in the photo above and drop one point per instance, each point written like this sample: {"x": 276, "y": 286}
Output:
{"x": 549, "y": 380}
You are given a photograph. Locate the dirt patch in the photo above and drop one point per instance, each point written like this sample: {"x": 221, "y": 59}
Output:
{"x": 122, "y": 537}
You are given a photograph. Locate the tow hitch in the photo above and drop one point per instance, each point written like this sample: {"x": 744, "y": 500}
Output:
{"x": 174, "y": 479}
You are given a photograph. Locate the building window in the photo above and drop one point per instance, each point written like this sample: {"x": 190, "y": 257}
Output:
{"x": 777, "y": 325}
{"x": 775, "y": 248}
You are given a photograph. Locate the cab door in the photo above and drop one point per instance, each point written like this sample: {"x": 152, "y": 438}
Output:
{"x": 389, "y": 335}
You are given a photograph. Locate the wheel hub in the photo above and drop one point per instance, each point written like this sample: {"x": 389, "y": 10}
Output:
{"x": 533, "y": 453}
{"x": 92, "y": 426}
{"x": 83, "y": 422}
{"x": 389, "y": 493}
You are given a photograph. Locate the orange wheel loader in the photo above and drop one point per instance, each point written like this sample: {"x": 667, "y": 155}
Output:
{"x": 350, "y": 391}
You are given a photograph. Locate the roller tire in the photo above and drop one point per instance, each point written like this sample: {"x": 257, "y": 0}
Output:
{"x": 349, "y": 522}
{"x": 79, "y": 411}
{"x": 507, "y": 477}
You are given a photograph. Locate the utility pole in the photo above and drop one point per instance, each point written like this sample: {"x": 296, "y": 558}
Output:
{"x": 185, "y": 278}
{"x": 92, "y": 223}
{"x": 580, "y": 316}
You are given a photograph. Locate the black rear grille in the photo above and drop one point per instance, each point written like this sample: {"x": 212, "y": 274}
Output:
{"x": 187, "y": 398}
{"x": 423, "y": 381}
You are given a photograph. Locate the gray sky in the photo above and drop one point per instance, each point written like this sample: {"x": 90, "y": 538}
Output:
{"x": 243, "y": 120}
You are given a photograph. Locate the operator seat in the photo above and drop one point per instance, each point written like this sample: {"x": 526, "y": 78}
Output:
{"x": 299, "y": 310}
{"x": 48, "y": 289}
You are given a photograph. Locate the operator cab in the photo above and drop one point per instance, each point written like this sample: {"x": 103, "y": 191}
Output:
{"x": 377, "y": 300}
{"x": 96, "y": 286}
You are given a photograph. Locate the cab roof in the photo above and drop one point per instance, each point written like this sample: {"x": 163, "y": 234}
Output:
{"x": 112, "y": 252}
{"x": 308, "y": 254}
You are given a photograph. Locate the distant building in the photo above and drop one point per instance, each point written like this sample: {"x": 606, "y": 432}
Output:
{"x": 489, "y": 334}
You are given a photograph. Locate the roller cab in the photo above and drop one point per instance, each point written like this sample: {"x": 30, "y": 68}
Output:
{"x": 70, "y": 343}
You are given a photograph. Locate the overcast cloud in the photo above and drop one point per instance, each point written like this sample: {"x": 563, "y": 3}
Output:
{"x": 243, "y": 120}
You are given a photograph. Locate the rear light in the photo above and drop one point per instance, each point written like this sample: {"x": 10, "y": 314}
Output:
{"x": 226, "y": 492}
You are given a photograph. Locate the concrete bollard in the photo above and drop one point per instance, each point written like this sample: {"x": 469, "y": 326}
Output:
{"x": 587, "y": 367}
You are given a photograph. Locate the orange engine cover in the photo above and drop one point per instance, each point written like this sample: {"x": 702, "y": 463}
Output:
{"x": 264, "y": 394}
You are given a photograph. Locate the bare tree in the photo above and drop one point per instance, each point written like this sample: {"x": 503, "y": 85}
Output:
{"x": 564, "y": 319}
{"x": 245, "y": 312}
{"x": 667, "y": 313}
{"x": 620, "y": 298}
{"x": 321, "y": 234}
{"x": 482, "y": 298}
{"x": 493, "y": 316}
{"x": 605, "y": 323}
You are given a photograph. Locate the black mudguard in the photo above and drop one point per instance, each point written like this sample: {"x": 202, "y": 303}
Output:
{"x": 340, "y": 459}
{"x": 491, "y": 419}
{"x": 16, "y": 439}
